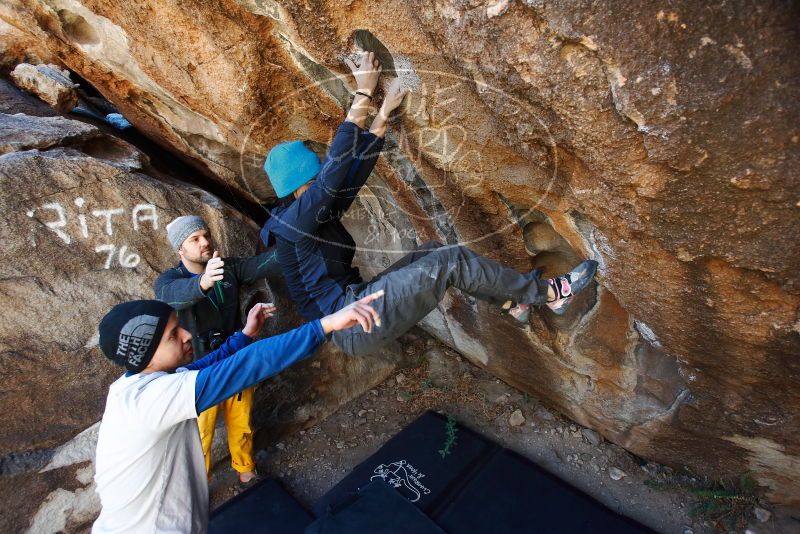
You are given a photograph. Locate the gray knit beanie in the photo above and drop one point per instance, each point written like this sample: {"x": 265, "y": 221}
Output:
{"x": 182, "y": 227}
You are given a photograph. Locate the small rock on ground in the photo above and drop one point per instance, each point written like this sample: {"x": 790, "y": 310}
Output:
{"x": 516, "y": 419}
{"x": 616, "y": 473}
{"x": 591, "y": 437}
{"x": 762, "y": 514}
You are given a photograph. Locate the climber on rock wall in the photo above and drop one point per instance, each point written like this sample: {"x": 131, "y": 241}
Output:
{"x": 204, "y": 289}
{"x": 149, "y": 469}
{"x": 316, "y": 251}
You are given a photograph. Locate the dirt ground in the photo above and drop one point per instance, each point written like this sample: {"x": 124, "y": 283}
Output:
{"x": 312, "y": 461}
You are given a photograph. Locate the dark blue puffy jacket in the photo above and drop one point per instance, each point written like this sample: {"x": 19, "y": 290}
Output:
{"x": 314, "y": 249}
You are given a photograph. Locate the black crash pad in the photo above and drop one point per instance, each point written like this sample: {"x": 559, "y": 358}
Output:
{"x": 375, "y": 509}
{"x": 411, "y": 463}
{"x": 478, "y": 487}
{"x": 512, "y": 494}
{"x": 265, "y": 508}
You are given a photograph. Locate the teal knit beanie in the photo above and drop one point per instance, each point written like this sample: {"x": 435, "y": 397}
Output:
{"x": 290, "y": 165}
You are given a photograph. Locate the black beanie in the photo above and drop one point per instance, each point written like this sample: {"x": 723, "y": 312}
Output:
{"x": 131, "y": 331}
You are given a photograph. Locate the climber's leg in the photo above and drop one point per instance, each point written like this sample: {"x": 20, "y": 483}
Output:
{"x": 486, "y": 279}
{"x": 430, "y": 246}
{"x": 421, "y": 251}
{"x": 413, "y": 291}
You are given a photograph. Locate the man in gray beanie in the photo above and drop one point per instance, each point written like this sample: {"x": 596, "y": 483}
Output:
{"x": 204, "y": 289}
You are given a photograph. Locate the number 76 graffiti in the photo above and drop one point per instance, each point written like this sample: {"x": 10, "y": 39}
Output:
{"x": 125, "y": 260}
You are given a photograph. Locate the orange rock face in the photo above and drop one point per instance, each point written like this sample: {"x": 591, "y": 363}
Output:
{"x": 662, "y": 143}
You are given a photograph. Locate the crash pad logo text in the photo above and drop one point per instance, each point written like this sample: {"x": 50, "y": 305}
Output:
{"x": 404, "y": 477}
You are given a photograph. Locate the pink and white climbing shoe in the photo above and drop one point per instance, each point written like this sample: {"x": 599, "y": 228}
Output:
{"x": 566, "y": 286}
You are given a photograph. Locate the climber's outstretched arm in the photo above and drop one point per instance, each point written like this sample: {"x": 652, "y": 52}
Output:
{"x": 369, "y": 147}
{"x": 367, "y": 152}
{"x": 320, "y": 201}
{"x": 258, "y": 361}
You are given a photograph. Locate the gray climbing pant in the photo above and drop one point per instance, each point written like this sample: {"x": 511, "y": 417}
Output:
{"x": 414, "y": 285}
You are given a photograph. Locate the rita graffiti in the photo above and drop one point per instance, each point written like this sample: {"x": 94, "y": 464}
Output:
{"x": 81, "y": 222}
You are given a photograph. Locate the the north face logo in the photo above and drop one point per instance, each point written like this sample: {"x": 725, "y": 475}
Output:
{"x": 136, "y": 337}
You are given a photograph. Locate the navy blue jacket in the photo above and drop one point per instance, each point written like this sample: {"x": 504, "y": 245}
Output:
{"x": 217, "y": 309}
{"x": 314, "y": 249}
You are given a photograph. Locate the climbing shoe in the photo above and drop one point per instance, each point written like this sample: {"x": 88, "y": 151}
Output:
{"x": 566, "y": 286}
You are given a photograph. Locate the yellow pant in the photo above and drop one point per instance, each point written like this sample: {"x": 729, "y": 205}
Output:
{"x": 240, "y": 436}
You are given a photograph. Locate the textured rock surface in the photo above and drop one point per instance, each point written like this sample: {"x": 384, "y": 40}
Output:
{"x": 661, "y": 141}
{"x": 18, "y": 46}
{"x": 49, "y": 83}
{"x": 23, "y": 132}
{"x": 84, "y": 228}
